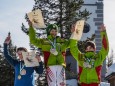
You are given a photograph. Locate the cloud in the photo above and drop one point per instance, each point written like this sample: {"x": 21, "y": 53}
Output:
{"x": 12, "y": 16}
{"x": 3, "y": 25}
{"x": 109, "y": 20}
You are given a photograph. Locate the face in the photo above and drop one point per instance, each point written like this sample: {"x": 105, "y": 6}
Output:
{"x": 89, "y": 48}
{"x": 20, "y": 54}
{"x": 53, "y": 32}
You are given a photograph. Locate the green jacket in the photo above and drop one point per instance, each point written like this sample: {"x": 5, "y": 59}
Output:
{"x": 90, "y": 74}
{"x": 45, "y": 45}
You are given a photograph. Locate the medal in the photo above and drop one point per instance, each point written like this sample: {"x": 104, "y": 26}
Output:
{"x": 85, "y": 64}
{"x": 23, "y": 72}
{"x": 19, "y": 77}
{"x": 89, "y": 66}
{"x": 54, "y": 51}
{"x": 89, "y": 63}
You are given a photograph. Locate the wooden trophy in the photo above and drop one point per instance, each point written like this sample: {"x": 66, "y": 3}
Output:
{"x": 77, "y": 34}
{"x": 36, "y": 18}
{"x": 30, "y": 59}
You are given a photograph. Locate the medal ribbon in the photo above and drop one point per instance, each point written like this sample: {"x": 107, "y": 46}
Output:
{"x": 89, "y": 60}
{"x": 21, "y": 68}
{"x": 53, "y": 43}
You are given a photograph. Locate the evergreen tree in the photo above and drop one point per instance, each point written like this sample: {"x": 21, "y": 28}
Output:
{"x": 62, "y": 12}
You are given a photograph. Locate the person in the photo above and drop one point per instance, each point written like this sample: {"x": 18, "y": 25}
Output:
{"x": 54, "y": 48}
{"x": 23, "y": 75}
{"x": 90, "y": 62}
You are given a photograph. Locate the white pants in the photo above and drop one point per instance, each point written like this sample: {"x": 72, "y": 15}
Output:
{"x": 56, "y": 75}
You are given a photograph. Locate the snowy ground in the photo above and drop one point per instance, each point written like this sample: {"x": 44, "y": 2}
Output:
{"x": 73, "y": 82}
{"x": 104, "y": 84}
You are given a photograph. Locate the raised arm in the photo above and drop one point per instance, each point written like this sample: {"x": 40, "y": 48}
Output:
{"x": 105, "y": 44}
{"x": 32, "y": 36}
{"x": 7, "y": 56}
{"x": 73, "y": 43}
{"x": 74, "y": 49}
{"x": 39, "y": 69}
{"x": 74, "y": 31}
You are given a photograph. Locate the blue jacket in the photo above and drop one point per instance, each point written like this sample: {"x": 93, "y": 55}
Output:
{"x": 28, "y": 78}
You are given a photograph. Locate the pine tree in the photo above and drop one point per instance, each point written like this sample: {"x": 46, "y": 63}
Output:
{"x": 6, "y": 70}
{"x": 62, "y": 12}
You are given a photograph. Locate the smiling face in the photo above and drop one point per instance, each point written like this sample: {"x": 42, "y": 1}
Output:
{"x": 53, "y": 32}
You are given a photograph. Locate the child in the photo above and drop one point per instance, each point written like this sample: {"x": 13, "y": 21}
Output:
{"x": 53, "y": 48}
{"x": 23, "y": 75}
{"x": 90, "y": 63}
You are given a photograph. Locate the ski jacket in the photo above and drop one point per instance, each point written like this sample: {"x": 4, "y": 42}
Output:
{"x": 92, "y": 73}
{"x": 46, "y": 44}
{"x": 28, "y": 78}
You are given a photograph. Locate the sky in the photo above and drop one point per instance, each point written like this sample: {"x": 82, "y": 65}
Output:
{"x": 109, "y": 20}
{"x": 12, "y": 14}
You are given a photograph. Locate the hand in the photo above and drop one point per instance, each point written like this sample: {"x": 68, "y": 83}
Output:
{"x": 72, "y": 28}
{"x": 7, "y": 40}
{"x": 102, "y": 28}
{"x": 29, "y": 23}
{"x": 38, "y": 58}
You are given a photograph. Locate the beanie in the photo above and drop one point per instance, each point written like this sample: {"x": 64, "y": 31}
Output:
{"x": 50, "y": 27}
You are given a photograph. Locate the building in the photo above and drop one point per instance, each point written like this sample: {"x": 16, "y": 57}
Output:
{"x": 110, "y": 76}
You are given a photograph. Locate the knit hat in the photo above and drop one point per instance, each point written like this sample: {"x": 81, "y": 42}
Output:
{"x": 50, "y": 27}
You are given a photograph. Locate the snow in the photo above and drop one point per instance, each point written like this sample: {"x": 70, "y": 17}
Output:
{"x": 104, "y": 84}
{"x": 111, "y": 69}
{"x": 71, "y": 82}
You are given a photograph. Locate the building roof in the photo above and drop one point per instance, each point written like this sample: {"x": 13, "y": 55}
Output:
{"x": 111, "y": 72}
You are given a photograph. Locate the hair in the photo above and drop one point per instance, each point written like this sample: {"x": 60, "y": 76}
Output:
{"x": 90, "y": 43}
{"x": 21, "y": 49}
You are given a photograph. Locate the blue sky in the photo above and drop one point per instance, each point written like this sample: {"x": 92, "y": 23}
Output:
{"x": 12, "y": 14}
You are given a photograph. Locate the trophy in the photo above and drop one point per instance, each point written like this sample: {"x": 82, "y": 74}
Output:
{"x": 36, "y": 18}
{"x": 77, "y": 34}
{"x": 30, "y": 59}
